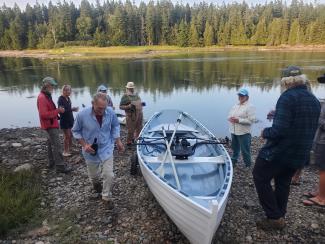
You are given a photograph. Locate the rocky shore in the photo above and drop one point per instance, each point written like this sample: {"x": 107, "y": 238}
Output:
{"x": 69, "y": 214}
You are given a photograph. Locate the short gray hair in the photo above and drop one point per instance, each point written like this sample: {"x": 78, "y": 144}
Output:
{"x": 99, "y": 96}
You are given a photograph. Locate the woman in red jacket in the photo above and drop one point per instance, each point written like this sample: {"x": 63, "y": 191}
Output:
{"x": 48, "y": 114}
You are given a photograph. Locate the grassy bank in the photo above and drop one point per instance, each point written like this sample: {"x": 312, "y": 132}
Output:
{"x": 83, "y": 52}
{"x": 19, "y": 193}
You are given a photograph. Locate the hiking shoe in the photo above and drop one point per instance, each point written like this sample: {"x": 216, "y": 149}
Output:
{"x": 98, "y": 187}
{"x": 271, "y": 224}
{"x": 108, "y": 202}
{"x": 64, "y": 170}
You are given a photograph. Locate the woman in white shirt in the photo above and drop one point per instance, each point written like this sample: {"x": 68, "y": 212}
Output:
{"x": 241, "y": 117}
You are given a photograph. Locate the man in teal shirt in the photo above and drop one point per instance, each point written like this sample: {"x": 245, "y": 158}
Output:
{"x": 98, "y": 125}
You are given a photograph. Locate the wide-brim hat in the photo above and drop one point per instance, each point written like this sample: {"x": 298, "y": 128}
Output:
{"x": 50, "y": 80}
{"x": 321, "y": 79}
{"x": 130, "y": 85}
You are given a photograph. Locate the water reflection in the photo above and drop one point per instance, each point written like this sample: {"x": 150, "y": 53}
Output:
{"x": 202, "y": 84}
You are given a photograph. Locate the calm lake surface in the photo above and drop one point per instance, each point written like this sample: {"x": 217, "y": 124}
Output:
{"x": 204, "y": 85}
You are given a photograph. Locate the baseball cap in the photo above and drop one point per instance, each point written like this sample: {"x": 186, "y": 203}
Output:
{"x": 102, "y": 88}
{"x": 242, "y": 92}
{"x": 50, "y": 81}
{"x": 291, "y": 71}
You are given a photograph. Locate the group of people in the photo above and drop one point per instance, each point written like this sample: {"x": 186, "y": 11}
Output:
{"x": 289, "y": 140}
{"x": 286, "y": 151}
{"x": 96, "y": 128}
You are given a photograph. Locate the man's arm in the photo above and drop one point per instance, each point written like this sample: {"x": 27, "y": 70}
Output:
{"x": 77, "y": 134}
{"x": 115, "y": 132}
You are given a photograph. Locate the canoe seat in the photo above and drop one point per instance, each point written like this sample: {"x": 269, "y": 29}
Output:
{"x": 215, "y": 160}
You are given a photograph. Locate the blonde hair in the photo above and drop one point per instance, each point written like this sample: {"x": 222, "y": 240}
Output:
{"x": 293, "y": 81}
{"x": 65, "y": 87}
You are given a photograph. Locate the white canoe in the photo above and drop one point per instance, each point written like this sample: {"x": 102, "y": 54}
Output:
{"x": 193, "y": 184}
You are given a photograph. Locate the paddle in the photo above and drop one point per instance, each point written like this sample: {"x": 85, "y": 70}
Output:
{"x": 160, "y": 169}
{"x": 170, "y": 158}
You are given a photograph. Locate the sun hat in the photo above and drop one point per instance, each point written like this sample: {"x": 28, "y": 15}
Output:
{"x": 50, "y": 80}
{"x": 291, "y": 71}
{"x": 102, "y": 88}
{"x": 130, "y": 85}
{"x": 242, "y": 92}
{"x": 321, "y": 79}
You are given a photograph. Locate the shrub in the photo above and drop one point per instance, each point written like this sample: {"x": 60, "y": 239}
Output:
{"x": 19, "y": 193}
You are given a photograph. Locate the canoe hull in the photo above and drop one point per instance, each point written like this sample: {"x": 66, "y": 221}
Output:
{"x": 197, "y": 221}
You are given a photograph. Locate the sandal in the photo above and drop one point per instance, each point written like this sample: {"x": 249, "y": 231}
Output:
{"x": 311, "y": 202}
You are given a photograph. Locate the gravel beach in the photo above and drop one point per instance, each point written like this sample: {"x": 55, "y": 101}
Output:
{"x": 69, "y": 213}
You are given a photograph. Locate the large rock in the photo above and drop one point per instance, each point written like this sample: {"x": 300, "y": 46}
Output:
{"x": 16, "y": 144}
{"x": 26, "y": 166}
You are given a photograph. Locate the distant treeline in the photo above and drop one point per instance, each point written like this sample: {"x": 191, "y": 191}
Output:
{"x": 114, "y": 23}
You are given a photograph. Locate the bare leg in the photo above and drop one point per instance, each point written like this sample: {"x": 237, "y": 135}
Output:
{"x": 66, "y": 140}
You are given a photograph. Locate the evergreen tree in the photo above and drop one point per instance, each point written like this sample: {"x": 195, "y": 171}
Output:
{"x": 261, "y": 35}
{"x": 208, "y": 35}
{"x": 194, "y": 38}
{"x": 32, "y": 37}
{"x": 294, "y": 34}
{"x": 182, "y": 38}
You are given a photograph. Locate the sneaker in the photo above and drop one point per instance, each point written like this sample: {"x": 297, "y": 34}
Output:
{"x": 108, "y": 202}
{"x": 271, "y": 224}
{"x": 65, "y": 154}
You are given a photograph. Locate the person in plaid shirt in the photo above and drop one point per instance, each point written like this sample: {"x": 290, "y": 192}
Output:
{"x": 287, "y": 147}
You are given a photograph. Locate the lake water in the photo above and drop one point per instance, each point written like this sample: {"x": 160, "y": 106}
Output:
{"x": 203, "y": 85}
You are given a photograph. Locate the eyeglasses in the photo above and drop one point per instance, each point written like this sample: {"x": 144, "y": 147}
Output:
{"x": 103, "y": 91}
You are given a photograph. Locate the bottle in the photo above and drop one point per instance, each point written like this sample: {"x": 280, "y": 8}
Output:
{"x": 94, "y": 146}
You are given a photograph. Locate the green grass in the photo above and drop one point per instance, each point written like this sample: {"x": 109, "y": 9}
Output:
{"x": 19, "y": 198}
{"x": 84, "y": 52}
{"x": 66, "y": 229}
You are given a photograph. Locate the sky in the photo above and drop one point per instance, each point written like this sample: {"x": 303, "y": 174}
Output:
{"x": 22, "y": 3}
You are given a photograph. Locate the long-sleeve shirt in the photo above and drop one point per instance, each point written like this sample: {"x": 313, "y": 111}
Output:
{"x": 48, "y": 113}
{"x": 87, "y": 127}
{"x": 245, "y": 113}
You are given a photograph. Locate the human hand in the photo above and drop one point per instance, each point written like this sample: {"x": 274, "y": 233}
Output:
{"x": 233, "y": 120}
{"x": 88, "y": 148}
{"x": 120, "y": 146}
{"x": 270, "y": 115}
{"x": 61, "y": 110}
{"x": 75, "y": 109}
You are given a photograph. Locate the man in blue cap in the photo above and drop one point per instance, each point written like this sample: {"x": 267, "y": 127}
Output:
{"x": 241, "y": 117}
{"x": 104, "y": 89}
{"x": 48, "y": 114}
{"x": 288, "y": 144}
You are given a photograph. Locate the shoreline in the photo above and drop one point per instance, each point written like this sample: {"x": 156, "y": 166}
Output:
{"x": 67, "y": 214}
{"x": 138, "y": 52}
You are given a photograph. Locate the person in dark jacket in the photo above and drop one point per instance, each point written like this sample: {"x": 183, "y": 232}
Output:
{"x": 317, "y": 197}
{"x": 48, "y": 114}
{"x": 66, "y": 118}
{"x": 287, "y": 147}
